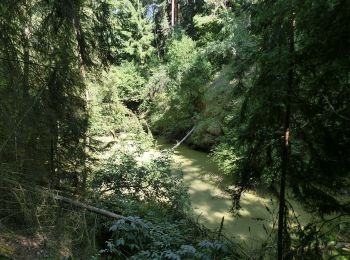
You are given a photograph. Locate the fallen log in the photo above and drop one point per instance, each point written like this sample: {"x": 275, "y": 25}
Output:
{"x": 90, "y": 208}
{"x": 183, "y": 139}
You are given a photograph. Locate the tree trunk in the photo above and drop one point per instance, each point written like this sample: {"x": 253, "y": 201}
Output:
{"x": 25, "y": 44}
{"x": 29, "y": 143}
{"x": 286, "y": 149}
{"x": 173, "y": 4}
{"x": 84, "y": 61}
{"x": 85, "y": 206}
{"x": 54, "y": 153}
{"x": 177, "y": 13}
{"x": 186, "y": 136}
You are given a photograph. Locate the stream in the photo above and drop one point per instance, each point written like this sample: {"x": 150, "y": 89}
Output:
{"x": 210, "y": 202}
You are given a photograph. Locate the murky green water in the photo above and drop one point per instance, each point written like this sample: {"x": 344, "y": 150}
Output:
{"x": 210, "y": 203}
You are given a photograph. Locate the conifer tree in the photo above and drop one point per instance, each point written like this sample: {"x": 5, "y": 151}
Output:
{"x": 288, "y": 134}
{"x": 45, "y": 47}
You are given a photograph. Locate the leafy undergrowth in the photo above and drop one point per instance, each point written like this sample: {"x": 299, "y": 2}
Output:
{"x": 159, "y": 223}
{"x": 140, "y": 239}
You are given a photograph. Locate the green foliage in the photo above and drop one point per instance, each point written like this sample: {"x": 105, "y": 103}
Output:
{"x": 130, "y": 84}
{"x": 135, "y": 182}
{"x": 177, "y": 104}
{"x": 133, "y": 176}
{"x": 44, "y": 49}
{"x": 110, "y": 93}
{"x": 140, "y": 239}
{"x": 284, "y": 95}
{"x": 126, "y": 82}
{"x": 257, "y": 129}
{"x": 181, "y": 55}
{"x": 134, "y": 30}
{"x": 48, "y": 49}
{"x": 308, "y": 242}
{"x": 277, "y": 61}
{"x": 226, "y": 157}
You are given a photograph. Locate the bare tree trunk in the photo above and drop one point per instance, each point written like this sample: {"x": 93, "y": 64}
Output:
{"x": 25, "y": 43}
{"x": 85, "y": 206}
{"x": 54, "y": 152}
{"x": 221, "y": 227}
{"x": 177, "y": 13}
{"x": 183, "y": 139}
{"x": 286, "y": 150}
{"x": 84, "y": 61}
{"x": 173, "y": 4}
{"x": 25, "y": 38}
{"x": 282, "y": 201}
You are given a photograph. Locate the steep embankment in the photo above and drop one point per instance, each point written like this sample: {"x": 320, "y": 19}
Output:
{"x": 174, "y": 110}
{"x": 217, "y": 101}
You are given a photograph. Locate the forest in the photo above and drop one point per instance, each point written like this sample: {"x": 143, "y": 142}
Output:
{"x": 175, "y": 129}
